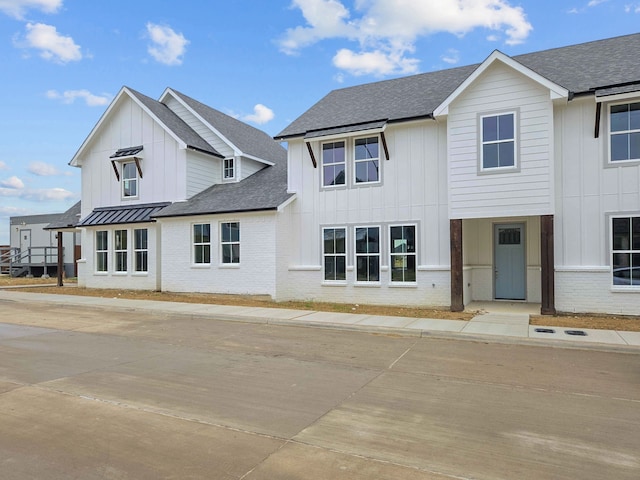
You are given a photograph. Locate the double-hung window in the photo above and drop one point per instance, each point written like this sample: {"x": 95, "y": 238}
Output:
{"x": 367, "y": 160}
{"x": 129, "y": 180}
{"x": 102, "y": 249}
{"x": 333, "y": 164}
{"x": 624, "y": 126}
{"x": 230, "y": 242}
{"x": 228, "y": 169}
{"x": 140, "y": 250}
{"x": 120, "y": 250}
{"x": 402, "y": 247}
{"x": 202, "y": 243}
{"x": 625, "y": 251}
{"x": 498, "y": 146}
{"x": 335, "y": 254}
{"x": 367, "y": 254}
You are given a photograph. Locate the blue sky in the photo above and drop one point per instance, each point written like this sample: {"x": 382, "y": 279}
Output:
{"x": 266, "y": 62}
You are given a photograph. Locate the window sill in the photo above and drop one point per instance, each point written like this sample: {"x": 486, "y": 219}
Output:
{"x": 101, "y": 274}
{"x": 140, "y": 274}
{"x": 625, "y": 289}
{"x": 200, "y": 266}
{"x": 328, "y": 283}
{"x": 403, "y": 285}
{"x": 229, "y": 265}
{"x": 368, "y": 284}
{"x": 120, "y": 274}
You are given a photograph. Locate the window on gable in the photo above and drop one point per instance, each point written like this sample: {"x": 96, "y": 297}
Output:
{"x": 367, "y": 160}
{"x": 140, "y": 249}
{"x": 403, "y": 253}
{"x": 335, "y": 254}
{"x": 230, "y": 242}
{"x": 624, "y": 125}
{"x": 120, "y": 250}
{"x": 498, "y": 148}
{"x": 625, "y": 251}
{"x": 129, "y": 180}
{"x": 333, "y": 164}
{"x": 228, "y": 169}
{"x": 102, "y": 248}
{"x": 202, "y": 243}
{"x": 367, "y": 254}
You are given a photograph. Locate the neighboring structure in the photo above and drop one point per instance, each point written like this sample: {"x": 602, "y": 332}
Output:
{"x": 34, "y": 249}
{"x": 515, "y": 179}
{"x": 179, "y": 196}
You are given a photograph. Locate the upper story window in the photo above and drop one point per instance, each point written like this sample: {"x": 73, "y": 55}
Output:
{"x": 333, "y": 164}
{"x": 624, "y": 125}
{"x": 202, "y": 243}
{"x": 228, "y": 169}
{"x": 625, "y": 251}
{"x": 230, "y": 242}
{"x": 498, "y": 149}
{"x": 129, "y": 180}
{"x": 367, "y": 160}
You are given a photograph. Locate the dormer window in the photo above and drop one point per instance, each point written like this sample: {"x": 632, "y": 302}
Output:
{"x": 228, "y": 169}
{"x": 127, "y": 169}
{"x": 129, "y": 180}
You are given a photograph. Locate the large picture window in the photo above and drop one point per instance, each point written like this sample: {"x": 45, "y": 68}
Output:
{"x": 140, "y": 250}
{"x": 129, "y": 180}
{"x": 367, "y": 254}
{"x": 367, "y": 160}
{"x": 230, "y": 242}
{"x": 202, "y": 243}
{"x": 102, "y": 249}
{"x": 498, "y": 149}
{"x": 335, "y": 254}
{"x": 625, "y": 251}
{"x": 402, "y": 246}
{"x": 624, "y": 125}
{"x": 333, "y": 164}
{"x": 120, "y": 250}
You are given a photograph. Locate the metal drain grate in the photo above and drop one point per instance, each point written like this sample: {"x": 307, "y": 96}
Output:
{"x": 544, "y": 330}
{"x": 577, "y": 333}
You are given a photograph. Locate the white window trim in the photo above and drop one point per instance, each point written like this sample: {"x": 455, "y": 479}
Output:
{"x": 391, "y": 255}
{"x": 194, "y": 244}
{"x": 125, "y": 251}
{"x": 345, "y": 163}
{"x": 611, "y": 162}
{"x": 354, "y": 161}
{"x": 622, "y": 288}
{"x": 137, "y": 180}
{"x": 346, "y": 243}
{"x": 356, "y": 255}
{"x": 481, "y": 142}
{"x": 106, "y": 252}
{"x": 222, "y": 262}
{"x": 233, "y": 169}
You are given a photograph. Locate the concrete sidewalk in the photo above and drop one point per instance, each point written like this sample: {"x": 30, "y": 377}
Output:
{"x": 512, "y": 325}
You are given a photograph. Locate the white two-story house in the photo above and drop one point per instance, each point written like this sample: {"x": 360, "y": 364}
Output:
{"x": 179, "y": 196}
{"x": 516, "y": 179}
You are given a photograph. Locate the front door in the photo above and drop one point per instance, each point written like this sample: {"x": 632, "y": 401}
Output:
{"x": 25, "y": 245}
{"x": 509, "y": 262}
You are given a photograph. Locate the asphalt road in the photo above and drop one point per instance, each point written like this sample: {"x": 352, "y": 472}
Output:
{"x": 92, "y": 394}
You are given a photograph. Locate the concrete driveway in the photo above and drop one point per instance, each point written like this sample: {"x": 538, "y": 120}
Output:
{"x": 91, "y": 394}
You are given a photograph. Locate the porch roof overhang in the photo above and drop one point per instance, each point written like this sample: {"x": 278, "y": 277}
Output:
{"x": 142, "y": 213}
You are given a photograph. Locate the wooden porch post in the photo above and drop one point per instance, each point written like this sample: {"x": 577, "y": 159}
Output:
{"x": 548, "y": 266}
{"x": 455, "y": 238}
{"x": 60, "y": 259}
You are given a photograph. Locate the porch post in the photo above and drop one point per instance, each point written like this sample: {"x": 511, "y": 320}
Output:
{"x": 455, "y": 238}
{"x": 548, "y": 266}
{"x": 60, "y": 259}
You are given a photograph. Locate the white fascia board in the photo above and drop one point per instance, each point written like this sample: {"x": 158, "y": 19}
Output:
{"x": 357, "y": 133}
{"x": 236, "y": 151}
{"x": 617, "y": 97}
{"x": 259, "y": 160}
{"x": 556, "y": 92}
{"x": 284, "y": 204}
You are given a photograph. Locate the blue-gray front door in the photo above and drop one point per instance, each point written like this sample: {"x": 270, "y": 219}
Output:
{"x": 509, "y": 262}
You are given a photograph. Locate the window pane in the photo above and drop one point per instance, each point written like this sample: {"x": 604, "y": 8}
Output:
{"x": 101, "y": 240}
{"x": 341, "y": 244}
{"x": 490, "y": 155}
{"x": 361, "y": 172}
{"x": 362, "y": 274}
{"x": 101, "y": 261}
{"x": 505, "y": 127}
{"x": 634, "y": 116}
{"x": 410, "y": 272}
{"x": 333, "y": 152}
{"x": 329, "y": 240}
{"x": 329, "y": 268}
{"x": 374, "y": 268}
{"x": 226, "y": 253}
{"x": 410, "y": 236}
{"x": 374, "y": 240}
{"x": 635, "y": 269}
{"x": 141, "y": 261}
{"x": 235, "y": 253}
{"x": 489, "y": 129}
{"x": 341, "y": 268}
{"x": 120, "y": 240}
{"x": 619, "y": 118}
{"x": 234, "y": 230}
{"x": 333, "y": 175}
{"x": 226, "y": 233}
{"x": 620, "y": 147}
{"x": 361, "y": 240}
{"x": 197, "y": 234}
{"x": 634, "y": 146}
{"x": 366, "y": 148}
{"x": 635, "y": 233}
{"x": 622, "y": 269}
{"x": 621, "y": 233}
{"x": 140, "y": 239}
{"x": 372, "y": 175}
{"x": 506, "y": 154}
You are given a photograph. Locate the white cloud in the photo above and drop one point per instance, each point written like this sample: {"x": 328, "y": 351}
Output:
{"x": 260, "y": 115}
{"x": 69, "y": 96}
{"x": 43, "y": 169}
{"x": 386, "y": 30}
{"x": 17, "y": 8}
{"x": 51, "y": 44}
{"x": 37, "y": 194}
{"x": 12, "y": 211}
{"x": 3, "y": 166}
{"x": 594, "y": 3}
{"x": 12, "y": 182}
{"x": 451, "y": 57}
{"x": 632, "y": 8}
{"x": 168, "y": 47}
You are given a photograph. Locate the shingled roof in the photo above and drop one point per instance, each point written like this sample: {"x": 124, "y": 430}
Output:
{"x": 68, "y": 219}
{"x": 581, "y": 69}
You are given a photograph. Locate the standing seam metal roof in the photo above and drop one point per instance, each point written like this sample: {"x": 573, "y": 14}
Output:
{"x": 122, "y": 214}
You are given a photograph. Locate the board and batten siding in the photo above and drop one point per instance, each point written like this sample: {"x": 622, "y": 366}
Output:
{"x": 163, "y": 161}
{"x": 527, "y": 191}
{"x": 198, "y": 126}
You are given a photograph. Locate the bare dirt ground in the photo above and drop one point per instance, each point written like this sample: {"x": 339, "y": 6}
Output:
{"x": 595, "y": 321}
